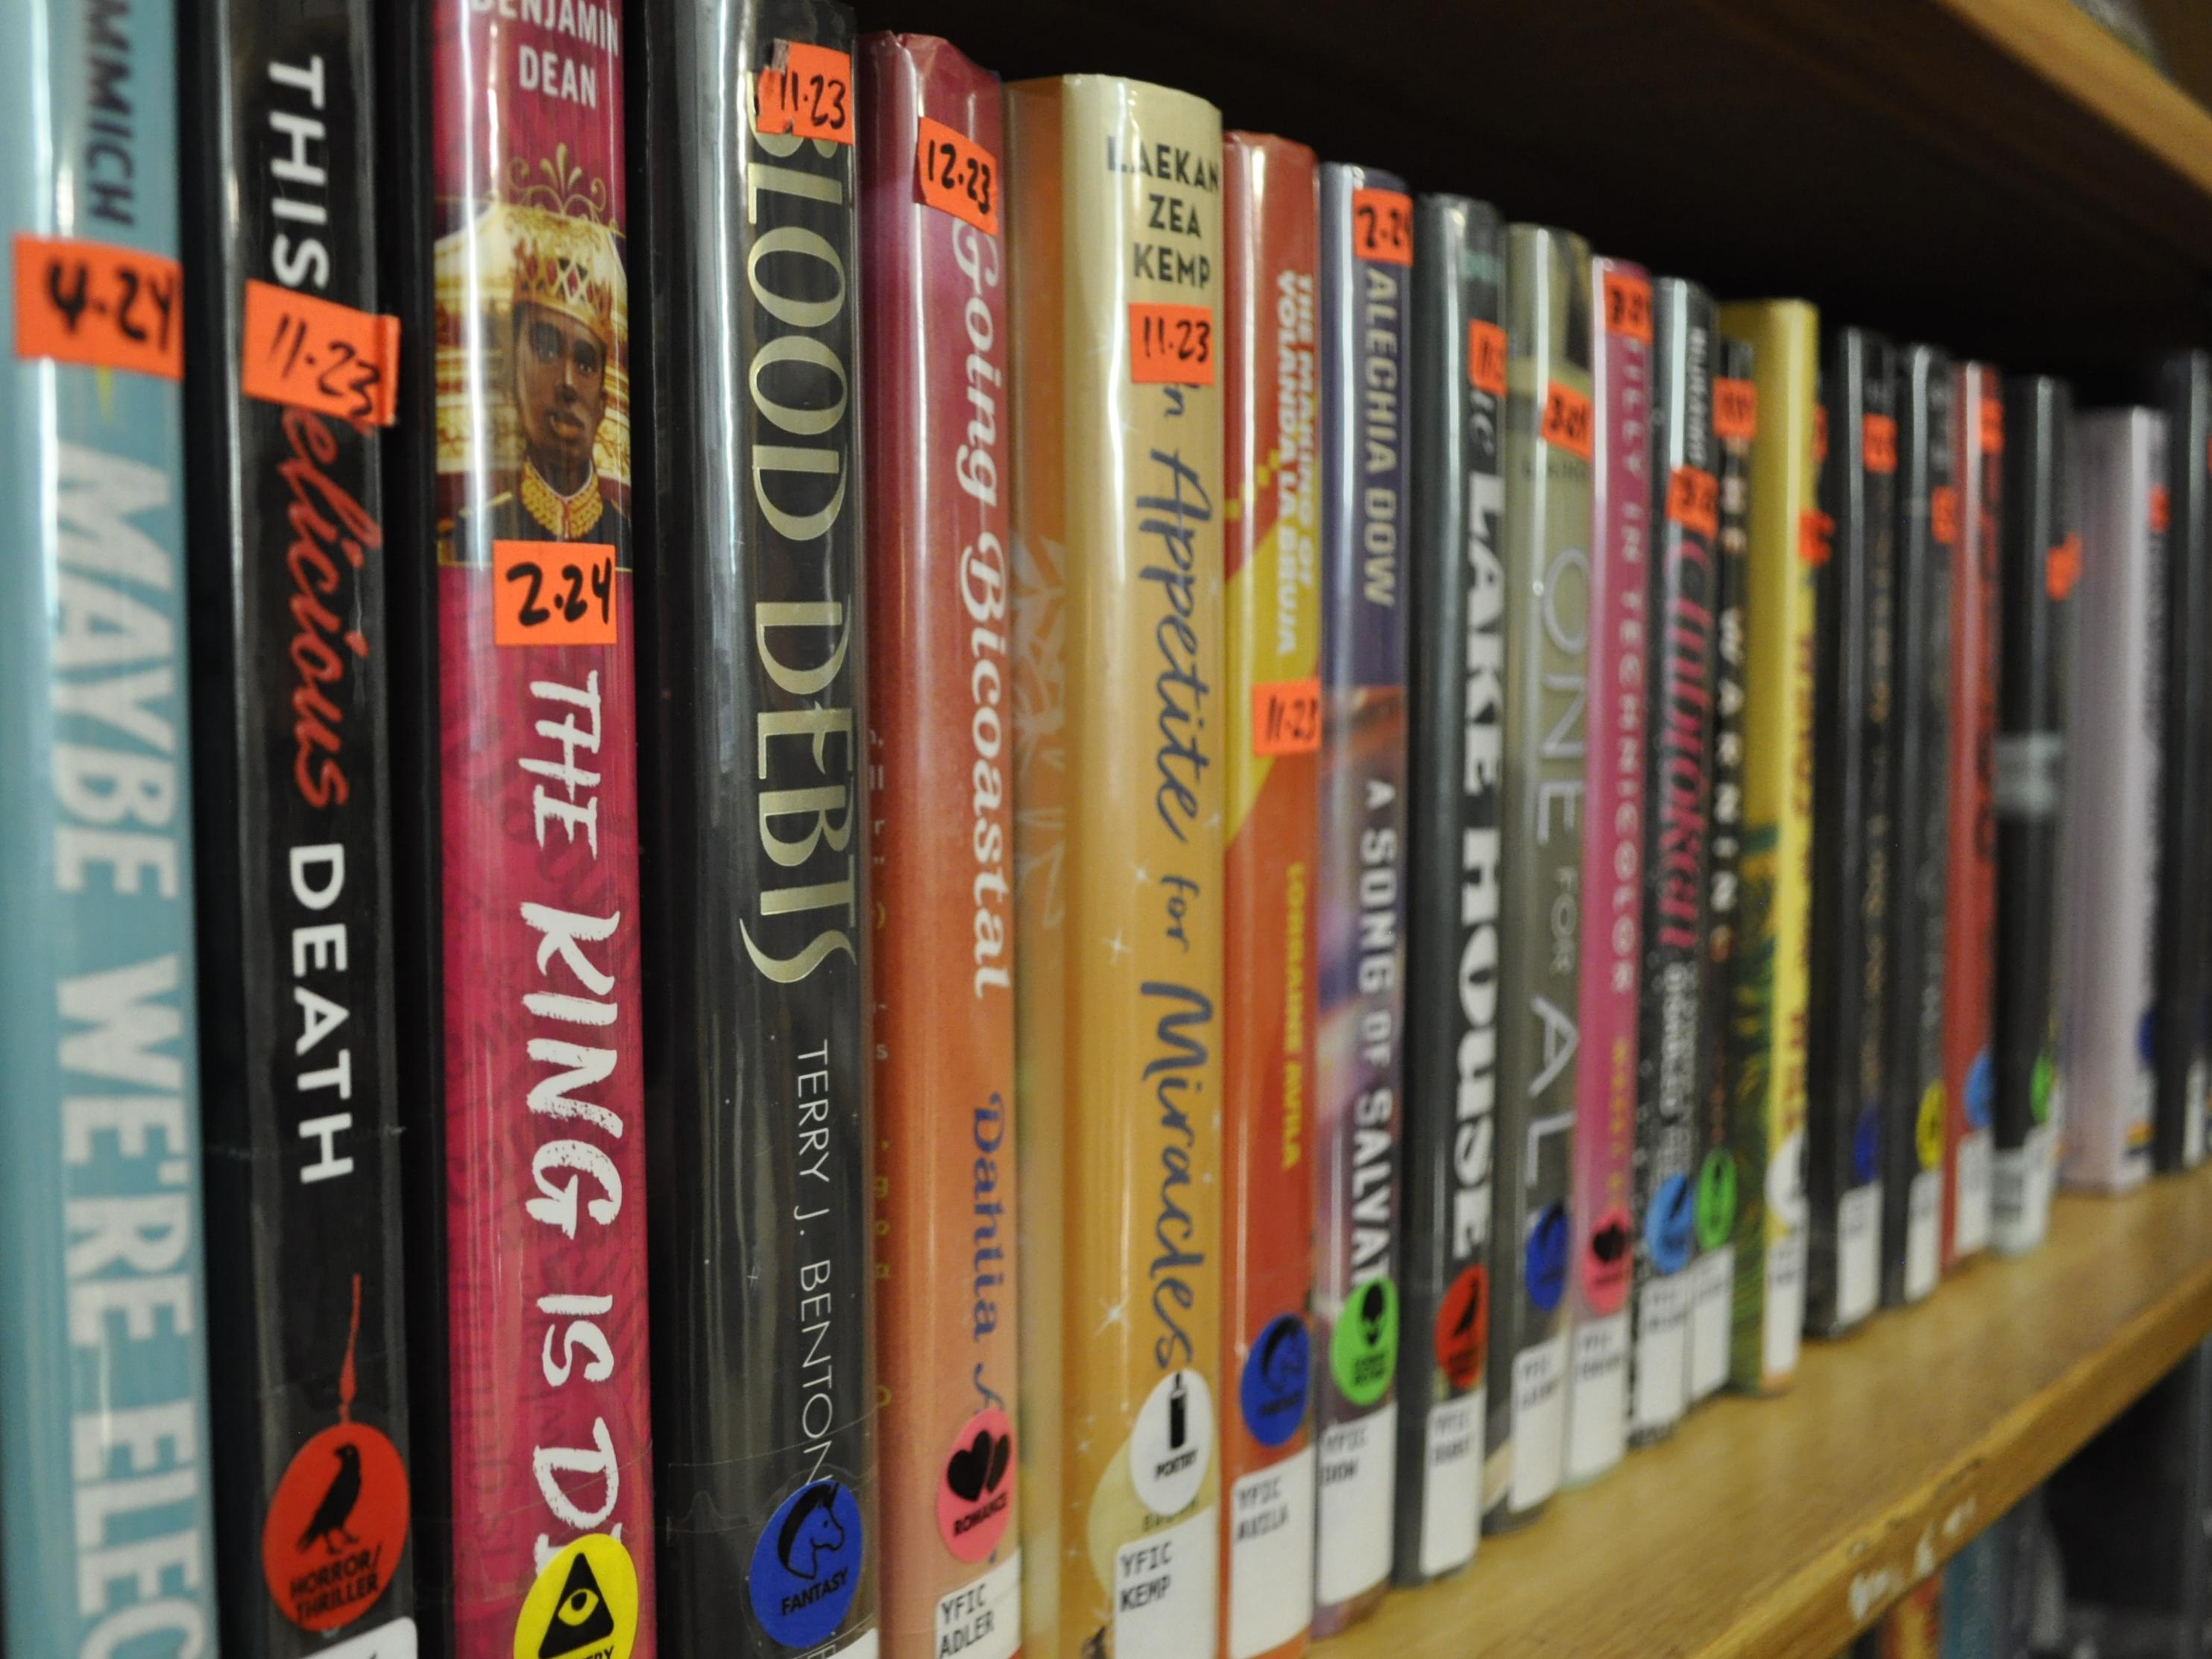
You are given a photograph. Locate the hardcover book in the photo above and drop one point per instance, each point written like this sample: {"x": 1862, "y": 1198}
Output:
{"x": 753, "y": 654}
{"x": 292, "y": 797}
{"x": 1545, "y": 555}
{"x": 1457, "y": 780}
{"x": 940, "y": 745}
{"x": 1273, "y": 549}
{"x": 1117, "y": 509}
{"x": 1765, "y": 1052}
{"x": 1618, "y": 678}
{"x": 104, "y": 1451}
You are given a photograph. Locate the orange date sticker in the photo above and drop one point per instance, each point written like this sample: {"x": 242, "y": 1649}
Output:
{"x": 1287, "y": 717}
{"x": 1735, "y": 410}
{"x": 1567, "y": 420}
{"x": 1693, "y": 499}
{"x": 317, "y": 355}
{"x": 100, "y": 304}
{"x": 807, "y": 91}
{"x": 1943, "y": 514}
{"x": 553, "y": 593}
{"x": 1880, "y": 433}
{"x": 1485, "y": 357}
{"x": 1814, "y": 530}
{"x": 1170, "y": 344}
{"x": 1382, "y": 226}
{"x": 957, "y": 175}
{"x": 1628, "y": 306}
{"x": 2061, "y": 567}
{"x": 2161, "y": 513}
{"x": 1993, "y": 426}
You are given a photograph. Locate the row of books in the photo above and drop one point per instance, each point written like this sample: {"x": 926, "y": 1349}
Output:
{"x": 1089, "y": 982}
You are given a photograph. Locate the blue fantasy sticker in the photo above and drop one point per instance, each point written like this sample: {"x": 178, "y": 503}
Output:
{"x": 1866, "y": 1145}
{"x": 1272, "y": 1390}
{"x": 1669, "y": 1227}
{"x": 1981, "y": 1090}
{"x": 806, "y": 1566}
{"x": 1546, "y": 1253}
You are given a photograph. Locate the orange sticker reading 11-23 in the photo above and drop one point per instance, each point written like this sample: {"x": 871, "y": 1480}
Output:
{"x": 1382, "y": 226}
{"x": 1170, "y": 344}
{"x": 1567, "y": 420}
{"x": 553, "y": 593}
{"x": 1287, "y": 717}
{"x": 1485, "y": 357}
{"x": 97, "y": 303}
{"x": 806, "y": 90}
{"x": 957, "y": 175}
{"x": 317, "y": 355}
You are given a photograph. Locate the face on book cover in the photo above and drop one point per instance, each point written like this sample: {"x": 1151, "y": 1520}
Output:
{"x": 560, "y": 392}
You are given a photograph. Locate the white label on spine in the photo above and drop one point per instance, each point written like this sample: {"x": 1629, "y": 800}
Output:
{"x": 1785, "y": 1307}
{"x": 1923, "y": 1234}
{"x": 1663, "y": 1313}
{"x": 1597, "y": 1398}
{"x": 867, "y": 1645}
{"x": 2019, "y": 1193}
{"x": 1970, "y": 1224}
{"x": 1540, "y": 1421}
{"x": 1858, "y": 1253}
{"x": 1712, "y": 1315}
{"x": 393, "y": 1641}
{"x": 1165, "y": 1591}
{"x": 982, "y": 1619}
{"x": 1451, "y": 1501}
{"x": 1271, "y": 1555}
{"x": 2192, "y": 1118}
{"x": 1358, "y": 1486}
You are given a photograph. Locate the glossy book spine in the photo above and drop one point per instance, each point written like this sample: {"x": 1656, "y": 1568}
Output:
{"x": 104, "y": 1451}
{"x": 1271, "y": 550}
{"x": 1619, "y": 680}
{"x": 1456, "y": 781}
{"x": 1117, "y": 517}
{"x": 1674, "y": 1055}
{"x": 936, "y": 430}
{"x": 545, "y": 1206}
{"x": 1769, "y": 1012}
{"x": 309, "y": 1356}
{"x": 1546, "y": 556}
{"x": 758, "y": 910}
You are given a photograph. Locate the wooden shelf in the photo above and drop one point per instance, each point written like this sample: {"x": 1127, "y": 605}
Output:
{"x": 1783, "y": 1526}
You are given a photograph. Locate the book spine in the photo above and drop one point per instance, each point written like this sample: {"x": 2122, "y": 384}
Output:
{"x": 1272, "y": 611}
{"x": 1618, "y": 678}
{"x": 103, "y": 1366}
{"x": 1137, "y": 430}
{"x": 1366, "y": 276}
{"x": 940, "y": 744}
{"x": 1548, "y": 445}
{"x": 1674, "y": 1051}
{"x": 755, "y": 648}
{"x": 550, "y": 1437}
{"x": 1852, "y": 805}
{"x": 1914, "y": 1120}
{"x": 1455, "y": 783}
{"x": 1769, "y": 1015}
{"x": 308, "y": 1355}
{"x": 1970, "y": 882}
{"x": 2183, "y": 1031}
{"x": 2108, "y": 827}
{"x": 2042, "y": 560}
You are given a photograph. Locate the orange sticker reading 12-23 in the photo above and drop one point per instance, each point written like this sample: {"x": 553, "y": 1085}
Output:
{"x": 315, "y": 354}
{"x": 1628, "y": 306}
{"x": 808, "y": 91}
{"x": 96, "y": 303}
{"x": 1170, "y": 344}
{"x": 1567, "y": 420}
{"x": 1382, "y": 226}
{"x": 1735, "y": 410}
{"x": 1287, "y": 717}
{"x": 553, "y": 593}
{"x": 1485, "y": 357}
{"x": 957, "y": 175}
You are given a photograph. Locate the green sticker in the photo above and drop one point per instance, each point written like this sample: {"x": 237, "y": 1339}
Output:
{"x": 2038, "y": 1092}
{"x": 1363, "y": 1350}
{"x": 1716, "y": 1198}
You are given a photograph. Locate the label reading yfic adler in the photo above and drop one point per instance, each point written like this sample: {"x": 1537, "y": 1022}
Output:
{"x": 1712, "y": 1310}
{"x": 1451, "y": 1500}
{"x": 1271, "y": 1555}
{"x": 1924, "y": 1233}
{"x": 1164, "y": 1591}
{"x": 1597, "y": 1407}
{"x": 1858, "y": 1253}
{"x": 1662, "y": 1320}
{"x": 1358, "y": 1484}
{"x": 1540, "y": 1421}
{"x": 982, "y": 1619}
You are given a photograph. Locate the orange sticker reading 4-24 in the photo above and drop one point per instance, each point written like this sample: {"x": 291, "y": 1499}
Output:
{"x": 1485, "y": 357}
{"x": 553, "y": 593}
{"x": 807, "y": 91}
{"x": 1170, "y": 344}
{"x": 1287, "y": 717}
{"x": 1628, "y": 306}
{"x": 1382, "y": 226}
{"x": 957, "y": 175}
{"x": 1566, "y": 420}
{"x": 1735, "y": 410}
{"x": 313, "y": 353}
{"x": 96, "y": 303}
{"x": 1880, "y": 437}
{"x": 1693, "y": 499}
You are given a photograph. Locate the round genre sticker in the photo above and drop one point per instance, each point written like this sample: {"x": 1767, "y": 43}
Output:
{"x": 1363, "y": 1350}
{"x": 806, "y": 1566}
{"x": 1462, "y": 1333}
{"x": 975, "y": 1498}
{"x": 1171, "y": 1444}
{"x": 1273, "y": 1389}
{"x": 1716, "y": 1198}
{"x": 331, "y": 1539}
{"x": 1606, "y": 1263}
{"x": 584, "y": 1605}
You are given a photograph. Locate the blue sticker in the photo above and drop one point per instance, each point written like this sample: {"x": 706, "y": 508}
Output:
{"x": 1669, "y": 1226}
{"x": 2147, "y": 1038}
{"x": 1866, "y": 1145}
{"x": 1276, "y": 1373}
{"x": 1981, "y": 1090}
{"x": 1547, "y": 1254}
{"x": 806, "y": 1566}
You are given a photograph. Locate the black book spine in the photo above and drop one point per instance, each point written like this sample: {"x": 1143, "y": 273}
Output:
{"x": 2183, "y": 1045}
{"x": 1915, "y": 1120}
{"x": 754, "y": 851}
{"x": 1672, "y": 1047}
{"x": 2041, "y": 561}
{"x": 1456, "y": 818}
{"x": 1851, "y": 815}
{"x": 308, "y": 1296}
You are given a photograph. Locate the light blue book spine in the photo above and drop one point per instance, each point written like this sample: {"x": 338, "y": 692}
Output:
{"x": 105, "y": 1535}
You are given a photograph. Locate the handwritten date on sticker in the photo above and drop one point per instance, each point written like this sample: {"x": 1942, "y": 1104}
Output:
{"x": 315, "y": 355}
{"x": 1993, "y": 426}
{"x": 553, "y": 593}
{"x": 1485, "y": 357}
{"x": 1693, "y": 500}
{"x": 807, "y": 91}
{"x": 1287, "y": 717}
{"x": 1170, "y": 344}
{"x": 1628, "y": 306}
{"x": 2061, "y": 567}
{"x": 1382, "y": 226}
{"x": 1943, "y": 514}
{"x": 100, "y": 304}
{"x": 1567, "y": 420}
{"x": 1735, "y": 410}
{"x": 1815, "y": 533}
{"x": 958, "y": 175}
{"x": 1880, "y": 432}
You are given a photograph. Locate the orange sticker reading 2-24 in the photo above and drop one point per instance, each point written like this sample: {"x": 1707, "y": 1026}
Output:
{"x": 99, "y": 304}
{"x": 957, "y": 175}
{"x": 317, "y": 355}
{"x": 553, "y": 593}
{"x": 807, "y": 91}
{"x": 1382, "y": 226}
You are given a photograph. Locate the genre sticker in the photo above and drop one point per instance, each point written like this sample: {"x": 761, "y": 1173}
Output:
{"x": 1716, "y": 1198}
{"x": 1929, "y": 1129}
{"x": 1273, "y": 1389}
{"x": 807, "y": 1564}
{"x": 1462, "y": 1334}
{"x": 1608, "y": 1257}
{"x": 975, "y": 1498}
{"x": 2040, "y": 1088}
{"x": 1670, "y": 1228}
{"x": 1866, "y": 1144}
{"x": 1545, "y": 1265}
{"x": 1171, "y": 1443}
{"x": 583, "y": 1604}
{"x": 1363, "y": 1350}
{"x": 332, "y": 1538}
{"x": 1981, "y": 1090}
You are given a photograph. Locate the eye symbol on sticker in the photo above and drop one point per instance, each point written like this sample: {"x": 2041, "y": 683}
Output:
{"x": 580, "y": 1617}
